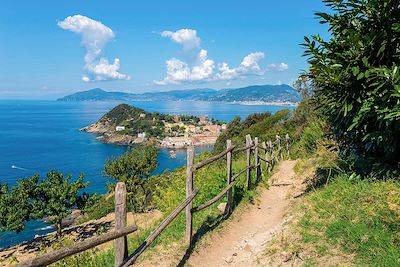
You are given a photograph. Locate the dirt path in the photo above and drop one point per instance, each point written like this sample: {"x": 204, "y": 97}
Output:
{"x": 244, "y": 238}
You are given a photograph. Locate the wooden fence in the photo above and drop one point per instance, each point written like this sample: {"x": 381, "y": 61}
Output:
{"x": 270, "y": 155}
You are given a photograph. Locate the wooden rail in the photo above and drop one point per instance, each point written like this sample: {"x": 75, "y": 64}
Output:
{"x": 212, "y": 159}
{"x": 57, "y": 255}
{"x": 121, "y": 230}
{"x": 131, "y": 259}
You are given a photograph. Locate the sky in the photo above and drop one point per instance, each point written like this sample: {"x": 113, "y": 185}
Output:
{"x": 52, "y": 48}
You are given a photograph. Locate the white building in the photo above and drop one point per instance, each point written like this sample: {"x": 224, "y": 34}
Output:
{"x": 120, "y": 128}
{"x": 141, "y": 135}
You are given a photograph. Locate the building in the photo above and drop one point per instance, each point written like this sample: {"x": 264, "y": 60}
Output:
{"x": 214, "y": 129}
{"x": 141, "y": 135}
{"x": 142, "y": 115}
{"x": 120, "y": 128}
{"x": 223, "y": 127}
{"x": 177, "y": 119}
{"x": 203, "y": 120}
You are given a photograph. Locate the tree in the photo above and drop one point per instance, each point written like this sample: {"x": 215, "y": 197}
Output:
{"x": 356, "y": 77}
{"x": 15, "y": 205}
{"x": 30, "y": 199}
{"x": 55, "y": 196}
{"x": 134, "y": 168}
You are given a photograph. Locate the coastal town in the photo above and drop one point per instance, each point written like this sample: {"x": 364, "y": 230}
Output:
{"x": 128, "y": 125}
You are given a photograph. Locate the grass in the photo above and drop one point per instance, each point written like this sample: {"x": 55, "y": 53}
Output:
{"x": 349, "y": 222}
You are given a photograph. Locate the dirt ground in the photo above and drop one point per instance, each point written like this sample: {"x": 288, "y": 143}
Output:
{"x": 243, "y": 240}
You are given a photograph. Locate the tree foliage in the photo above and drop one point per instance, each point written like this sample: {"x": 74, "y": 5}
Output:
{"x": 55, "y": 196}
{"x": 15, "y": 204}
{"x": 356, "y": 77}
{"x": 134, "y": 168}
{"x": 52, "y": 198}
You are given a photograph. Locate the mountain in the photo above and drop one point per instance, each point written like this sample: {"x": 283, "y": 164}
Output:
{"x": 265, "y": 93}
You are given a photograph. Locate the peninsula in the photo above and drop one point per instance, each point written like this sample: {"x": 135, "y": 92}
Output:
{"x": 128, "y": 125}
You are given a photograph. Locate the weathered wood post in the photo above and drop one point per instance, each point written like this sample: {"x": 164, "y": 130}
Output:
{"x": 228, "y": 208}
{"x": 121, "y": 244}
{"x": 248, "y": 157}
{"x": 287, "y": 138}
{"x": 256, "y": 158}
{"x": 278, "y": 143}
{"x": 271, "y": 150}
{"x": 189, "y": 191}
{"x": 264, "y": 146}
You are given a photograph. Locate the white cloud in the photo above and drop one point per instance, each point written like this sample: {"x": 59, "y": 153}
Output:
{"x": 186, "y": 37}
{"x": 248, "y": 66}
{"x": 179, "y": 71}
{"x": 202, "y": 69}
{"x": 95, "y": 37}
{"x": 277, "y": 67}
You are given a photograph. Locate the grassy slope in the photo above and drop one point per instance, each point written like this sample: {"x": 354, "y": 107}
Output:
{"x": 361, "y": 218}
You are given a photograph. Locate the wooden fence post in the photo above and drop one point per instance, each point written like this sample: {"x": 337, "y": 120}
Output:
{"x": 287, "y": 137}
{"x": 228, "y": 208}
{"x": 264, "y": 146}
{"x": 248, "y": 155}
{"x": 278, "y": 143}
{"x": 256, "y": 158}
{"x": 271, "y": 149}
{"x": 121, "y": 244}
{"x": 189, "y": 191}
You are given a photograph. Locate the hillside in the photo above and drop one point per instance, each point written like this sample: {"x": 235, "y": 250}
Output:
{"x": 264, "y": 93}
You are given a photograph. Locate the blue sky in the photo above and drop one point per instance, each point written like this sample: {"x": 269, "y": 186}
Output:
{"x": 52, "y": 48}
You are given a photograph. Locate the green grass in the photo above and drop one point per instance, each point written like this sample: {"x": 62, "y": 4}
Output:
{"x": 360, "y": 218}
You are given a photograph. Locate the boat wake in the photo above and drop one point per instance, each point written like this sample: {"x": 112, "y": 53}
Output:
{"x": 19, "y": 168}
{"x": 44, "y": 228}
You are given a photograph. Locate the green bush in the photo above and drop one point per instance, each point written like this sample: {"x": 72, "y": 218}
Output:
{"x": 356, "y": 76}
{"x": 307, "y": 143}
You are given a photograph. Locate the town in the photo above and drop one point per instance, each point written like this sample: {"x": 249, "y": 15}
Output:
{"x": 174, "y": 131}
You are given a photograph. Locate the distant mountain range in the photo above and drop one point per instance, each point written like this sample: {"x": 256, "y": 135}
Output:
{"x": 260, "y": 93}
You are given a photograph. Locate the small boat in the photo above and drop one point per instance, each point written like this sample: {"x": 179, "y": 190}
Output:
{"x": 172, "y": 154}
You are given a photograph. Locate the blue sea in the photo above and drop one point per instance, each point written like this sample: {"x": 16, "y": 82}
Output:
{"x": 37, "y": 136}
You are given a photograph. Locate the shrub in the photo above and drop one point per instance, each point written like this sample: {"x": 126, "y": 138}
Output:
{"x": 356, "y": 76}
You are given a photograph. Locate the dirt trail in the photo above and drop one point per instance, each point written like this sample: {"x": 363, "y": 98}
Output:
{"x": 244, "y": 238}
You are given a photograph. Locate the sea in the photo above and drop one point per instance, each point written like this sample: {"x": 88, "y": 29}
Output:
{"x": 37, "y": 136}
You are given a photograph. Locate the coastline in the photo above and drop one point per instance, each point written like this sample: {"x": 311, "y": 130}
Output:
{"x": 265, "y": 103}
{"x": 111, "y": 138}
{"x": 244, "y": 103}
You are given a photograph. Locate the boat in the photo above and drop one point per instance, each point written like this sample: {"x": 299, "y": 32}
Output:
{"x": 172, "y": 154}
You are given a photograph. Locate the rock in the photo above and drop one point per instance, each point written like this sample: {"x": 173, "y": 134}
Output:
{"x": 248, "y": 248}
{"x": 286, "y": 256}
{"x": 71, "y": 218}
{"x": 37, "y": 236}
{"x": 221, "y": 207}
{"x": 228, "y": 260}
{"x": 234, "y": 254}
{"x": 298, "y": 194}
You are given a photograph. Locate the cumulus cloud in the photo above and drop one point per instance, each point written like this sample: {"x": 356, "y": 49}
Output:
{"x": 186, "y": 37}
{"x": 202, "y": 68}
{"x": 248, "y": 66}
{"x": 95, "y": 36}
{"x": 199, "y": 70}
{"x": 179, "y": 71}
{"x": 277, "y": 67}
